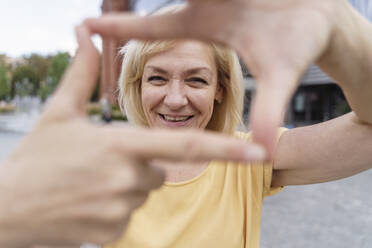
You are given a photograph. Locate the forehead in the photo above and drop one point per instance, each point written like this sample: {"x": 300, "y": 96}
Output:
{"x": 184, "y": 54}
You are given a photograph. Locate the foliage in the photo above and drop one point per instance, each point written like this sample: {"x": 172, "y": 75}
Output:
{"x": 4, "y": 84}
{"x": 342, "y": 108}
{"x": 57, "y": 67}
{"x": 96, "y": 109}
{"x": 95, "y": 95}
{"x": 24, "y": 80}
{"x": 37, "y": 74}
{"x": 28, "y": 75}
{"x": 39, "y": 64}
{"x": 34, "y": 74}
{"x": 46, "y": 89}
{"x": 117, "y": 115}
{"x": 6, "y": 108}
{"x": 3, "y": 60}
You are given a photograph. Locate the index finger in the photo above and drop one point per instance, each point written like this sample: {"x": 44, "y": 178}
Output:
{"x": 272, "y": 96}
{"x": 186, "y": 145}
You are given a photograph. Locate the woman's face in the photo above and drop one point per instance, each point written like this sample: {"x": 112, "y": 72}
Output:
{"x": 179, "y": 87}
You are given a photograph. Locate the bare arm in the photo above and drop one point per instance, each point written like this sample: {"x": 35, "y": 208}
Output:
{"x": 341, "y": 147}
{"x": 328, "y": 151}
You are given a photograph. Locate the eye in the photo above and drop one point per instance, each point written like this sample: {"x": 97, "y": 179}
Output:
{"x": 156, "y": 78}
{"x": 197, "y": 80}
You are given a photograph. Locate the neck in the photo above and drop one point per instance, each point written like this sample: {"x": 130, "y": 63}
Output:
{"x": 180, "y": 171}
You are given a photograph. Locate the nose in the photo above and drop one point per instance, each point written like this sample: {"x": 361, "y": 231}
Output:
{"x": 176, "y": 96}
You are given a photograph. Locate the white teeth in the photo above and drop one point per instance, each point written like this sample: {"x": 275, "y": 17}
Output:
{"x": 171, "y": 118}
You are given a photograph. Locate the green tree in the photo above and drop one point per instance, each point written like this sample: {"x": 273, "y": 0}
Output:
{"x": 3, "y": 60}
{"x": 58, "y": 66}
{"x": 39, "y": 64}
{"x": 55, "y": 72}
{"x": 4, "y": 84}
{"x": 28, "y": 75}
{"x": 25, "y": 80}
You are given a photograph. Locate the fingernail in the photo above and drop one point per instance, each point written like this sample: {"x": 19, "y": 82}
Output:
{"x": 255, "y": 153}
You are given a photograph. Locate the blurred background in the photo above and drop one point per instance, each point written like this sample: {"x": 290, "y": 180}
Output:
{"x": 36, "y": 45}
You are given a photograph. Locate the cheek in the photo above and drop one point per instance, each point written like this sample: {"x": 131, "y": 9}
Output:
{"x": 203, "y": 101}
{"x": 150, "y": 97}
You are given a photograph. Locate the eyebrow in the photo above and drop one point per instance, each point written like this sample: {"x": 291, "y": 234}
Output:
{"x": 157, "y": 69}
{"x": 187, "y": 72}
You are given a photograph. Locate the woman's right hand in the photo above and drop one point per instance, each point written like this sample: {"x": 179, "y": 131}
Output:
{"x": 71, "y": 182}
{"x": 277, "y": 40}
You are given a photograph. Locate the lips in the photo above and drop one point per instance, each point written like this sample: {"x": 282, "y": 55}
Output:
{"x": 171, "y": 118}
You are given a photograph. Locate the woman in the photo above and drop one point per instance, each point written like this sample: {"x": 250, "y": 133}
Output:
{"x": 189, "y": 84}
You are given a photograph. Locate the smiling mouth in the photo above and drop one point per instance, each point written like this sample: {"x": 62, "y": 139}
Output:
{"x": 175, "y": 119}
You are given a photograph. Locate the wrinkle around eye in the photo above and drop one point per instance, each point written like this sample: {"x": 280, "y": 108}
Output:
{"x": 197, "y": 80}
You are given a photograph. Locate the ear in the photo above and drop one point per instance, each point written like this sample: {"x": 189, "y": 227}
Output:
{"x": 219, "y": 93}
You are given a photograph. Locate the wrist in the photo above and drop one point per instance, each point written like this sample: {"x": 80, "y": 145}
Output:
{"x": 347, "y": 46}
{"x": 348, "y": 58}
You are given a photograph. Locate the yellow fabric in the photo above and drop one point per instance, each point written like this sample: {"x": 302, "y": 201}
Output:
{"x": 219, "y": 208}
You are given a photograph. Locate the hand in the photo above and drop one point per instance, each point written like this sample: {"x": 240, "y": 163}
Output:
{"x": 278, "y": 40}
{"x": 71, "y": 182}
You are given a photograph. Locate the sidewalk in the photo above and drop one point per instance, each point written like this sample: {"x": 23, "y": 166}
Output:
{"x": 329, "y": 215}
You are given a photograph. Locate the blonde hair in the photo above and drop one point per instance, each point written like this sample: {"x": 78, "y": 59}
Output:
{"x": 226, "y": 115}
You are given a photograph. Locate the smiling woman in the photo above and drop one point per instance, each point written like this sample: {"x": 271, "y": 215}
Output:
{"x": 192, "y": 85}
{"x": 185, "y": 84}
{"x": 188, "y": 84}
{"x": 179, "y": 87}
{"x": 186, "y": 80}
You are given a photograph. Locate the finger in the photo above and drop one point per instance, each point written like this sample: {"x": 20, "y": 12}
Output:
{"x": 124, "y": 26}
{"x": 197, "y": 20}
{"x": 79, "y": 79}
{"x": 185, "y": 145}
{"x": 273, "y": 92}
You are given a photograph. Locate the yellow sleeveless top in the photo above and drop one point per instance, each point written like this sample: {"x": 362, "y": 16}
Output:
{"x": 219, "y": 208}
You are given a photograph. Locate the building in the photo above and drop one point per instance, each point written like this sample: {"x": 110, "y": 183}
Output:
{"x": 111, "y": 62}
{"x": 317, "y": 99}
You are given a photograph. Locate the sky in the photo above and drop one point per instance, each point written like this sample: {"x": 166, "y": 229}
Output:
{"x": 47, "y": 26}
{"x": 42, "y": 26}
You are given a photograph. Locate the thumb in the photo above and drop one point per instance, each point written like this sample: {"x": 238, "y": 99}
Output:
{"x": 273, "y": 93}
{"x": 78, "y": 81}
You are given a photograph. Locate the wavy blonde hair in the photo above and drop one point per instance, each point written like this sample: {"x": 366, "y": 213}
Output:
{"x": 226, "y": 115}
